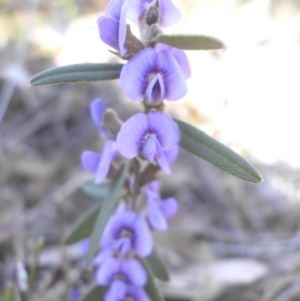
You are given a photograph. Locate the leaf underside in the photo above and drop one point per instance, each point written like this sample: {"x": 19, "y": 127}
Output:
{"x": 191, "y": 42}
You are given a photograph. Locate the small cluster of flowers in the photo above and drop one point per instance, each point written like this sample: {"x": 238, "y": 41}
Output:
{"x": 154, "y": 72}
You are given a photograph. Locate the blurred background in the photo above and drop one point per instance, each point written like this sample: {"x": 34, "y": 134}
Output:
{"x": 231, "y": 240}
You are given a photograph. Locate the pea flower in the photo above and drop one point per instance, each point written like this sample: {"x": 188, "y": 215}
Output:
{"x": 119, "y": 291}
{"x": 169, "y": 13}
{"x": 99, "y": 164}
{"x": 158, "y": 210}
{"x": 149, "y": 135}
{"x": 130, "y": 231}
{"x": 112, "y": 26}
{"x": 154, "y": 76}
{"x": 129, "y": 270}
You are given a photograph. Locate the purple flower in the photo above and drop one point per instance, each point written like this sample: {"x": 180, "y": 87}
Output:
{"x": 130, "y": 231}
{"x": 153, "y": 76}
{"x": 179, "y": 55}
{"x": 99, "y": 164}
{"x": 169, "y": 13}
{"x": 74, "y": 293}
{"x": 129, "y": 270}
{"x": 159, "y": 211}
{"x": 112, "y": 26}
{"x": 119, "y": 291}
{"x": 150, "y": 135}
{"x": 97, "y": 110}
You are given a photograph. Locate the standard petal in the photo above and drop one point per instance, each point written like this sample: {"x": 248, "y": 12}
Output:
{"x": 135, "y": 9}
{"x": 166, "y": 130}
{"x": 114, "y": 9}
{"x": 90, "y": 160}
{"x": 143, "y": 240}
{"x": 174, "y": 78}
{"x": 107, "y": 271}
{"x": 169, "y": 207}
{"x": 155, "y": 216}
{"x": 131, "y": 135}
{"x": 97, "y": 110}
{"x": 169, "y": 13}
{"x": 149, "y": 149}
{"x": 107, "y": 156}
{"x": 134, "y": 272}
{"x": 134, "y": 75}
{"x": 116, "y": 224}
{"x": 179, "y": 55}
{"x": 109, "y": 31}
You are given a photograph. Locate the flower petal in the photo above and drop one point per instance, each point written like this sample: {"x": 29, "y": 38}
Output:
{"x": 179, "y": 55}
{"x": 108, "y": 155}
{"x": 155, "y": 92}
{"x": 90, "y": 160}
{"x": 169, "y": 207}
{"x": 97, "y": 110}
{"x": 109, "y": 31}
{"x": 155, "y": 216}
{"x": 169, "y": 13}
{"x": 122, "y": 29}
{"x": 162, "y": 160}
{"x": 107, "y": 271}
{"x": 116, "y": 292}
{"x": 114, "y": 9}
{"x": 172, "y": 154}
{"x": 134, "y": 75}
{"x": 143, "y": 240}
{"x": 149, "y": 148}
{"x": 134, "y": 272}
{"x": 174, "y": 78}
{"x": 166, "y": 130}
{"x": 131, "y": 135}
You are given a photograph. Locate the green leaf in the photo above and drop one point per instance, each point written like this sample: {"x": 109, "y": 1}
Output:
{"x": 77, "y": 73}
{"x": 94, "y": 293}
{"x": 84, "y": 227}
{"x": 202, "y": 145}
{"x": 158, "y": 267}
{"x": 190, "y": 42}
{"x": 8, "y": 294}
{"x": 150, "y": 288}
{"x": 93, "y": 190}
{"x": 109, "y": 204}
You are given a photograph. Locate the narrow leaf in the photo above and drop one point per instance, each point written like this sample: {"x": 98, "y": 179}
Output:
{"x": 190, "y": 42}
{"x": 109, "y": 204}
{"x": 202, "y": 145}
{"x": 150, "y": 288}
{"x": 8, "y": 293}
{"x": 157, "y": 266}
{"x": 93, "y": 190}
{"x": 84, "y": 227}
{"x": 77, "y": 73}
{"x": 94, "y": 293}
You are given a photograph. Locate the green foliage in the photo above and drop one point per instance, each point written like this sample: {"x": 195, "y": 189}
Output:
{"x": 93, "y": 293}
{"x": 77, "y": 73}
{"x": 150, "y": 287}
{"x": 84, "y": 227}
{"x": 158, "y": 267}
{"x": 8, "y": 294}
{"x": 190, "y": 42}
{"x": 109, "y": 204}
{"x": 93, "y": 190}
{"x": 202, "y": 145}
